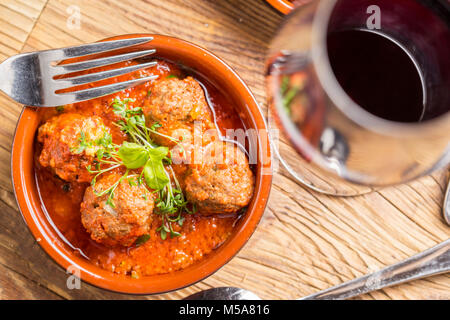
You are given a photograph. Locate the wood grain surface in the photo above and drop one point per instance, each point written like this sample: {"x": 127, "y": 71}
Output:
{"x": 305, "y": 242}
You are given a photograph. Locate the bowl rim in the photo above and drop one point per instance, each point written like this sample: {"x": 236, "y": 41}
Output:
{"x": 24, "y": 187}
{"x": 282, "y": 6}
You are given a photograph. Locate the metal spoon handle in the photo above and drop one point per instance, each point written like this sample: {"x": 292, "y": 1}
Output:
{"x": 446, "y": 207}
{"x": 433, "y": 261}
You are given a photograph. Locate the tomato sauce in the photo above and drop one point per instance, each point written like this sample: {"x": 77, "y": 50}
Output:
{"x": 199, "y": 234}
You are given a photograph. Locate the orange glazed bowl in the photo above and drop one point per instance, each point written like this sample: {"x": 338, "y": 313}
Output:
{"x": 284, "y": 6}
{"x": 31, "y": 206}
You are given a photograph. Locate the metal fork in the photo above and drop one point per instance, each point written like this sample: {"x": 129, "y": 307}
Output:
{"x": 29, "y": 78}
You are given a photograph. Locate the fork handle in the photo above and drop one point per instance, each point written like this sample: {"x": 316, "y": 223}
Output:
{"x": 435, "y": 260}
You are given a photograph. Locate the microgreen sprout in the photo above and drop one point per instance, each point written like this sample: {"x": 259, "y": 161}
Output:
{"x": 141, "y": 153}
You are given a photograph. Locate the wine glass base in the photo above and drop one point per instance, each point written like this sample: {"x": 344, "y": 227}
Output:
{"x": 306, "y": 172}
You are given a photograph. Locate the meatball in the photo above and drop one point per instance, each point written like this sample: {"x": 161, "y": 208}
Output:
{"x": 69, "y": 144}
{"x": 122, "y": 222}
{"x": 223, "y": 183}
{"x": 176, "y": 104}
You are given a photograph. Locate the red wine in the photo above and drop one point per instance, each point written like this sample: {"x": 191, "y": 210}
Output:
{"x": 378, "y": 74}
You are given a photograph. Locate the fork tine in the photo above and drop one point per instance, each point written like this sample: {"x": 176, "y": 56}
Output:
{"x": 87, "y": 78}
{"x": 92, "y": 93}
{"x": 85, "y": 65}
{"x": 92, "y": 48}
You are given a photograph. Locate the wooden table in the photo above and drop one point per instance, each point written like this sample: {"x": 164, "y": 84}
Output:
{"x": 305, "y": 242}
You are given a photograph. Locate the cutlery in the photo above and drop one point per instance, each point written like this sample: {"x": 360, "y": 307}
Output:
{"x": 435, "y": 260}
{"x": 33, "y": 78}
{"x": 446, "y": 206}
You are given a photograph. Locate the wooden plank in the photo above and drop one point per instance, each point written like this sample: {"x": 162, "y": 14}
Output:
{"x": 305, "y": 241}
{"x": 17, "y": 19}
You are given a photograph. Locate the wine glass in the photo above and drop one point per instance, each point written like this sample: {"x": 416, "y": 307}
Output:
{"x": 331, "y": 137}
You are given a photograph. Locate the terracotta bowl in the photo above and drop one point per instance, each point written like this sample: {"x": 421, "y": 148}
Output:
{"x": 30, "y": 205}
{"x": 283, "y": 6}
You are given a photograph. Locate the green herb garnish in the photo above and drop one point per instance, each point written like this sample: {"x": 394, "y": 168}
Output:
{"x": 141, "y": 240}
{"x": 140, "y": 153}
{"x": 289, "y": 91}
{"x": 82, "y": 144}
